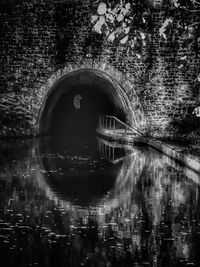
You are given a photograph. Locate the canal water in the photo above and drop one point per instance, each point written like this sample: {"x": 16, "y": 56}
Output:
{"x": 95, "y": 203}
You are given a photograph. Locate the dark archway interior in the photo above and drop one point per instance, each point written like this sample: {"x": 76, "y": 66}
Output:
{"x": 67, "y": 120}
{"x": 72, "y": 109}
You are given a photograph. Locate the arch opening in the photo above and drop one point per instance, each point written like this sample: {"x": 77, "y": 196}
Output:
{"x": 73, "y": 106}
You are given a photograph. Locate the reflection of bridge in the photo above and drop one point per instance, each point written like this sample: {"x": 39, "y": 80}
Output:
{"x": 112, "y": 151}
{"x": 114, "y": 129}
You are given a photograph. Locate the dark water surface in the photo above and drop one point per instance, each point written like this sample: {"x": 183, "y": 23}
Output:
{"x": 95, "y": 204}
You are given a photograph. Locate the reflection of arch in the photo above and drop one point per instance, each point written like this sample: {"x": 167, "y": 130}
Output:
{"x": 132, "y": 166}
{"x": 129, "y": 175}
{"x": 95, "y": 78}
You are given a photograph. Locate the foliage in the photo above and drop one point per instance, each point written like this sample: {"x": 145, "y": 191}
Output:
{"x": 181, "y": 28}
{"x": 127, "y": 23}
{"x": 130, "y": 24}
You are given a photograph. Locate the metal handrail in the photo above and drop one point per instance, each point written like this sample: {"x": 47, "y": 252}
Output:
{"x": 104, "y": 121}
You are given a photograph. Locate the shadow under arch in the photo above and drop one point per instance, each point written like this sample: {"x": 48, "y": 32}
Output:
{"x": 98, "y": 94}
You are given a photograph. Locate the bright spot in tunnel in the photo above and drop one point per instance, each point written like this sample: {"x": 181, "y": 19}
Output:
{"x": 77, "y": 100}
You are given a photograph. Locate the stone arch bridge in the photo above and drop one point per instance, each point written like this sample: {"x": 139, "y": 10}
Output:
{"x": 96, "y": 86}
{"x": 102, "y": 90}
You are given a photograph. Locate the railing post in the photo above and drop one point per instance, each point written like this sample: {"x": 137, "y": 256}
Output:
{"x": 99, "y": 125}
{"x": 111, "y": 123}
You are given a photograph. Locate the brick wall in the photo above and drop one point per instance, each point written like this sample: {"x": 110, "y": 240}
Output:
{"x": 43, "y": 39}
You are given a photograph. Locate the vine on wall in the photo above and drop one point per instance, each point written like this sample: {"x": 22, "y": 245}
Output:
{"x": 129, "y": 23}
{"x": 181, "y": 28}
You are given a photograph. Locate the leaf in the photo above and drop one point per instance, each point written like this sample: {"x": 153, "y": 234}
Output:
{"x": 126, "y": 10}
{"x": 110, "y": 17}
{"x": 138, "y": 56}
{"x": 180, "y": 66}
{"x": 102, "y": 9}
{"x": 111, "y": 37}
{"x": 132, "y": 44}
{"x": 119, "y": 31}
{"x": 120, "y": 17}
{"x": 124, "y": 40}
{"x": 98, "y": 26}
{"x": 176, "y": 3}
{"x": 142, "y": 35}
{"x": 128, "y": 6}
{"x": 164, "y": 27}
{"x": 94, "y": 18}
{"x": 126, "y": 30}
{"x": 183, "y": 58}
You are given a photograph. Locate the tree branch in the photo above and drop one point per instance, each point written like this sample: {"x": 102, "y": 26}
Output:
{"x": 195, "y": 2}
{"x": 193, "y": 24}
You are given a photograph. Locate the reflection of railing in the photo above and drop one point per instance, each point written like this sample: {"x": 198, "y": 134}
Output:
{"x": 107, "y": 152}
{"x": 113, "y": 152}
{"x": 116, "y": 126}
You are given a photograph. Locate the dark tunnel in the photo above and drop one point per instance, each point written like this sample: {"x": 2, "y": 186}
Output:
{"x": 74, "y": 106}
{"x": 77, "y": 112}
{"x": 69, "y": 117}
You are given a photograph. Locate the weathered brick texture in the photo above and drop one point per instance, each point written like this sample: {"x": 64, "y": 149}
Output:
{"x": 41, "y": 39}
